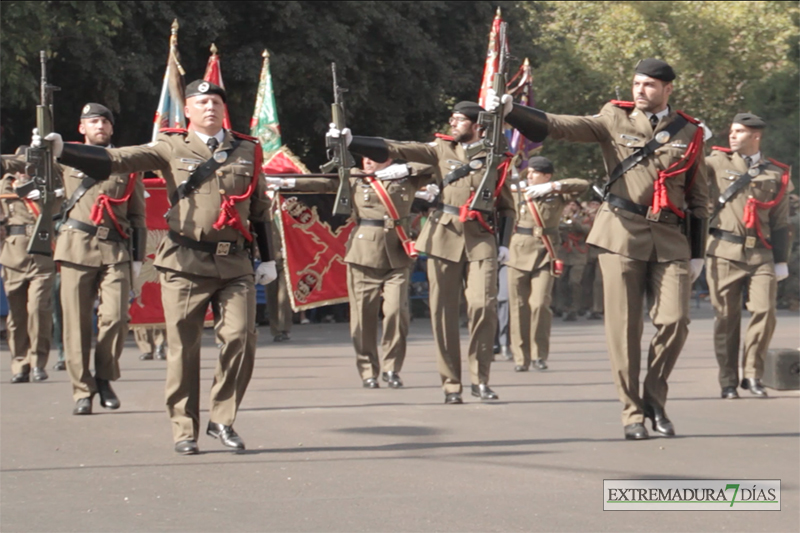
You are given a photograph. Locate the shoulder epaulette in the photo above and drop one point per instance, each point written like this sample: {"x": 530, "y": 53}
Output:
{"x": 689, "y": 118}
{"x": 444, "y": 137}
{"x": 623, "y": 103}
{"x": 721, "y": 149}
{"x": 173, "y": 130}
{"x": 244, "y": 137}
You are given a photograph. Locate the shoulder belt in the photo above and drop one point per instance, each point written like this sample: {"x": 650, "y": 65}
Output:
{"x": 198, "y": 177}
{"x": 391, "y": 209}
{"x": 462, "y": 171}
{"x": 743, "y": 181}
{"x": 86, "y": 184}
{"x": 648, "y": 149}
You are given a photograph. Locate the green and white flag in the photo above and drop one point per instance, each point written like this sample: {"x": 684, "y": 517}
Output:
{"x": 264, "y": 125}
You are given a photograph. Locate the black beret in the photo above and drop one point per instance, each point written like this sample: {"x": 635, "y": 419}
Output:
{"x": 199, "y": 87}
{"x": 471, "y": 110}
{"x": 541, "y": 164}
{"x": 92, "y": 110}
{"x": 750, "y": 120}
{"x": 655, "y": 68}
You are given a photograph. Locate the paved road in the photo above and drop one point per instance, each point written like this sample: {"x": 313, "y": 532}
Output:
{"x": 326, "y": 455}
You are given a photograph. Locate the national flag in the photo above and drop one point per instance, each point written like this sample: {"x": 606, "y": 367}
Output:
{"x": 492, "y": 58}
{"x": 521, "y": 87}
{"x": 264, "y": 125}
{"x": 214, "y": 75}
{"x": 169, "y": 113}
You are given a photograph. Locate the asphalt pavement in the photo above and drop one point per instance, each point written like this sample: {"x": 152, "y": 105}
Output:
{"x": 324, "y": 454}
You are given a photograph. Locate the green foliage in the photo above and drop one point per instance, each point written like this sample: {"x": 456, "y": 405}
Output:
{"x": 402, "y": 61}
{"x": 729, "y": 56}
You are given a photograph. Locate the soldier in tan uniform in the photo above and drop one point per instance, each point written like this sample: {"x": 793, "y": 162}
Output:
{"x": 461, "y": 245}
{"x": 100, "y": 245}
{"x": 532, "y": 264}
{"x": 574, "y": 254}
{"x": 748, "y": 247}
{"x": 213, "y": 181}
{"x": 378, "y": 262}
{"x": 28, "y": 281}
{"x": 657, "y": 181}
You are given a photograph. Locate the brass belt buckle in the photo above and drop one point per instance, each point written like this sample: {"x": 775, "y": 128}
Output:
{"x": 750, "y": 242}
{"x": 102, "y": 232}
{"x": 388, "y": 223}
{"x": 537, "y": 231}
{"x": 223, "y": 248}
{"x": 652, "y": 217}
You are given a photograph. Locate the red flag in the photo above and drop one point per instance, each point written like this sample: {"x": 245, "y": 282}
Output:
{"x": 492, "y": 58}
{"x": 214, "y": 75}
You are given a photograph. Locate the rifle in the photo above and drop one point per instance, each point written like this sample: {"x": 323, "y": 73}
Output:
{"x": 39, "y": 165}
{"x": 494, "y": 139}
{"x": 341, "y": 160}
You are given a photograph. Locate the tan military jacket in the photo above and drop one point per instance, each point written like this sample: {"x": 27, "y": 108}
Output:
{"x": 176, "y": 155}
{"x": 724, "y": 169}
{"x": 444, "y": 235}
{"x": 77, "y": 246}
{"x": 14, "y": 253}
{"x": 620, "y": 131}
{"x": 527, "y": 252}
{"x": 373, "y": 246}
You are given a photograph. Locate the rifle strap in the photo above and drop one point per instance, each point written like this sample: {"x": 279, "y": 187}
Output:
{"x": 391, "y": 209}
{"x": 647, "y": 150}
{"x": 201, "y": 175}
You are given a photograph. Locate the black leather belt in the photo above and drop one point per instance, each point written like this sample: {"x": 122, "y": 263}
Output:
{"x": 453, "y": 210}
{"x": 101, "y": 232}
{"x": 20, "y": 229}
{"x": 665, "y": 216}
{"x": 214, "y": 248}
{"x": 380, "y": 222}
{"x": 750, "y": 241}
{"x": 552, "y": 232}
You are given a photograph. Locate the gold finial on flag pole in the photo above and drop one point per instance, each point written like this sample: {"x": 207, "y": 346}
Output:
{"x": 175, "y": 27}
{"x": 498, "y": 14}
{"x": 213, "y": 49}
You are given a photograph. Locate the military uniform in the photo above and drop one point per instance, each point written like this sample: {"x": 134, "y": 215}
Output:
{"x": 462, "y": 255}
{"x": 151, "y": 341}
{"x": 529, "y": 274}
{"x": 574, "y": 254}
{"x": 743, "y": 255}
{"x": 645, "y": 250}
{"x": 95, "y": 247}
{"x": 203, "y": 260}
{"x": 377, "y": 266}
{"x": 28, "y": 281}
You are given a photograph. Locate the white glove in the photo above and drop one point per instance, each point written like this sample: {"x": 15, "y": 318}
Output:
{"x": 393, "y": 172}
{"x": 493, "y": 102}
{"x": 56, "y": 142}
{"x": 696, "y": 266}
{"x": 266, "y": 273}
{"x": 781, "y": 271}
{"x": 503, "y": 255}
{"x": 429, "y": 194}
{"x": 536, "y": 191}
{"x": 136, "y": 266}
{"x": 334, "y": 133}
{"x": 35, "y": 194}
{"x": 60, "y": 193}
{"x": 280, "y": 183}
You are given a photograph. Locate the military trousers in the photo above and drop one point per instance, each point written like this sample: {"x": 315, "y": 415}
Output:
{"x": 503, "y": 319}
{"x": 478, "y": 280}
{"x": 530, "y": 296}
{"x": 365, "y": 287}
{"x": 592, "y": 287}
{"x": 667, "y": 286}
{"x": 30, "y": 317}
{"x": 81, "y": 286}
{"x": 569, "y": 290}
{"x": 148, "y": 338}
{"x": 726, "y": 282}
{"x": 279, "y": 306}
{"x": 186, "y": 298}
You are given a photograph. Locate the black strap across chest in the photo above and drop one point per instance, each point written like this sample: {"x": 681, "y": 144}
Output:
{"x": 642, "y": 153}
{"x": 201, "y": 175}
{"x": 86, "y": 184}
{"x": 463, "y": 170}
{"x": 743, "y": 181}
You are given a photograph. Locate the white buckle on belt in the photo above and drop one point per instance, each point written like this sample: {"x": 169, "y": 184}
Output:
{"x": 750, "y": 242}
{"x": 28, "y": 230}
{"x": 223, "y": 248}
{"x": 537, "y": 231}
{"x": 102, "y": 232}
{"x": 652, "y": 217}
